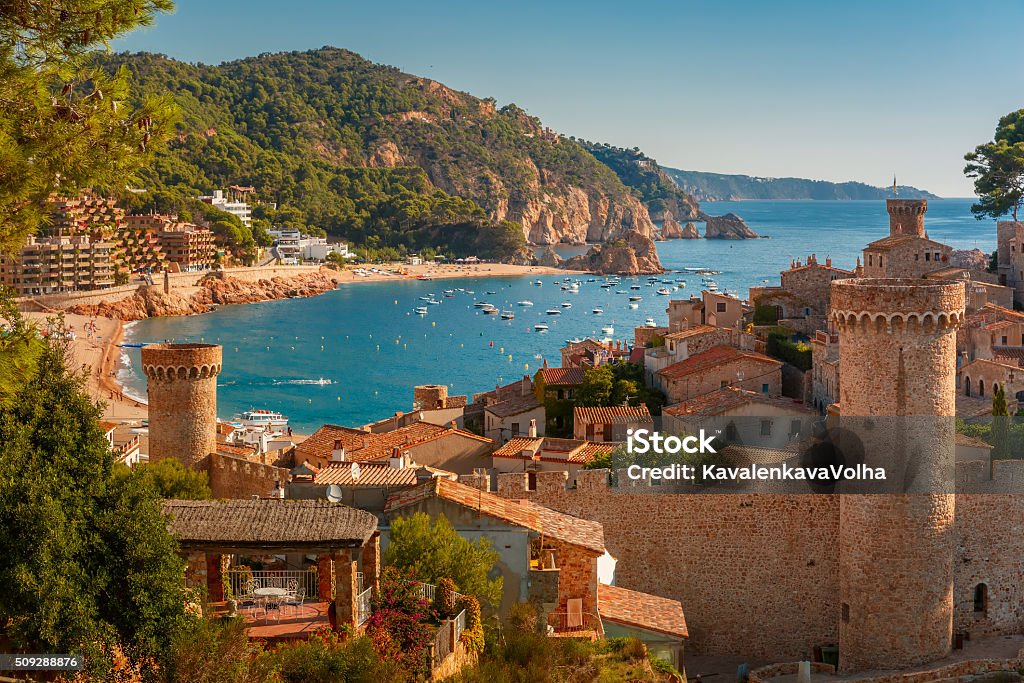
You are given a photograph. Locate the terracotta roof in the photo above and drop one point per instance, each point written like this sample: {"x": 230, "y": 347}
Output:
{"x": 713, "y": 357}
{"x": 1005, "y": 354}
{"x": 694, "y": 331}
{"x": 362, "y": 446}
{"x": 107, "y": 426}
{"x": 729, "y": 398}
{"x": 232, "y": 449}
{"x": 268, "y": 523}
{"x": 972, "y": 442}
{"x": 756, "y": 455}
{"x": 895, "y": 240}
{"x": 547, "y": 449}
{"x": 562, "y": 376}
{"x": 557, "y": 525}
{"x": 641, "y": 610}
{"x": 611, "y": 415}
{"x": 374, "y": 475}
{"x": 509, "y": 399}
{"x": 816, "y": 264}
{"x": 1001, "y": 324}
{"x": 996, "y": 312}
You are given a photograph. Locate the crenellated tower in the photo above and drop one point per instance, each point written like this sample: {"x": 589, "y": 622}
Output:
{"x": 182, "y": 386}
{"x": 906, "y": 216}
{"x": 897, "y": 364}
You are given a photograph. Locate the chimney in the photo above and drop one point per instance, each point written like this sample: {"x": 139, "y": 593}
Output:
{"x": 397, "y": 459}
{"x": 828, "y": 261}
{"x": 338, "y": 454}
{"x": 453, "y": 425}
{"x": 526, "y": 385}
{"x": 533, "y": 429}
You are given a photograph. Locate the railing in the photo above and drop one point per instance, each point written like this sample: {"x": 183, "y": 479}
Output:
{"x": 460, "y": 625}
{"x": 427, "y": 590}
{"x": 238, "y": 580}
{"x": 443, "y": 644}
{"x": 561, "y": 623}
{"x": 363, "y": 606}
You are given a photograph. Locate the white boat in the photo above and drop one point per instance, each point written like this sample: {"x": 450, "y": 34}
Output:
{"x": 553, "y": 311}
{"x": 524, "y": 303}
{"x": 566, "y": 304}
{"x": 634, "y": 286}
{"x": 262, "y": 418}
{"x": 650, "y": 323}
{"x": 634, "y": 305}
{"x": 635, "y": 298}
{"x": 664, "y": 291}
{"x": 483, "y": 304}
{"x": 541, "y": 327}
{"x": 608, "y": 330}
{"x": 427, "y": 297}
{"x": 508, "y": 315}
{"x": 538, "y": 283}
{"x": 421, "y": 310}
{"x": 598, "y": 311}
{"x": 490, "y": 311}
{"x": 433, "y": 302}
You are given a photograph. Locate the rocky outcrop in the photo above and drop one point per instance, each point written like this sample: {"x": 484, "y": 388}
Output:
{"x": 636, "y": 254}
{"x": 548, "y": 258}
{"x": 672, "y": 230}
{"x": 971, "y": 259}
{"x": 727, "y": 227}
{"x": 214, "y": 290}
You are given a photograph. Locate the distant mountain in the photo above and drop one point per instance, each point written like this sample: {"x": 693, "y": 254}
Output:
{"x": 709, "y": 187}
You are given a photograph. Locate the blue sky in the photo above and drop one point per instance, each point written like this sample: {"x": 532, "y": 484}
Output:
{"x": 828, "y": 89}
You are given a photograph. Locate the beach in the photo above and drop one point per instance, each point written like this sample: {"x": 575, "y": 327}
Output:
{"x": 394, "y": 271}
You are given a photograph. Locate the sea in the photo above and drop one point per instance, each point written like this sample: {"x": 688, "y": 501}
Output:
{"x": 352, "y": 356}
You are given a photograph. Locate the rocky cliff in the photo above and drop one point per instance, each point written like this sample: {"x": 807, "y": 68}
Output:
{"x": 727, "y": 227}
{"x": 971, "y": 259}
{"x": 636, "y": 254}
{"x": 151, "y": 301}
{"x": 672, "y": 230}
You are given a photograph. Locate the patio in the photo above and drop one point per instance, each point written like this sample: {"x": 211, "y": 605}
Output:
{"x": 281, "y": 604}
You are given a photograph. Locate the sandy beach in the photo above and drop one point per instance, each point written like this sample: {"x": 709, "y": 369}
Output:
{"x": 393, "y": 271}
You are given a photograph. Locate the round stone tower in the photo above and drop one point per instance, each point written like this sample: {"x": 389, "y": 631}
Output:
{"x": 897, "y": 366}
{"x": 906, "y": 216}
{"x": 182, "y": 385}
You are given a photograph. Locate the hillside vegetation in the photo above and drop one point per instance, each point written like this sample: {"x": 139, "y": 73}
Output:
{"x": 376, "y": 156}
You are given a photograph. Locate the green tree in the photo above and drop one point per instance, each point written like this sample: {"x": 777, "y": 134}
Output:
{"x": 432, "y": 551}
{"x": 1000, "y": 422}
{"x": 85, "y": 554}
{"x": 64, "y": 122}
{"x": 597, "y": 386}
{"x": 170, "y": 479}
{"x": 998, "y": 169}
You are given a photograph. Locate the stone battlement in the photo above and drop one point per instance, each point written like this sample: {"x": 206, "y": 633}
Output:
{"x": 897, "y": 302}
{"x": 237, "y": 477}
{"x": 181, "y": 361}
{"x": 906, "y": 216}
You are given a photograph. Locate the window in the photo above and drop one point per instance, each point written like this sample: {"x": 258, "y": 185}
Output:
{"x": 927, "y": 257}
{"x": 981, "y": 599}
{"x": 730, "y": 432}
{"x": 981, "y": 388}
{"x": 764, "y": 388}
{"x": 917, "y": 257}
{"x": 515, "y": 429}
{"x": 936, "y": 256}
{"x": 846, "y": 613}
{"x": 560, "y": 395}
{"x": 871, "y": 260}
{"x": 720, "y": 307}
{"x": 794, "y": 427}
{"x": 1004, "y": 340}
{"x": 766, "y": 427}
{"x": 879, "y": 260}
{"x": 531, "y": 481}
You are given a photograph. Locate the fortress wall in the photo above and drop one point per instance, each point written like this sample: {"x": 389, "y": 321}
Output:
{"x": 235, "y": 477}
{"x": 756, "y": 574}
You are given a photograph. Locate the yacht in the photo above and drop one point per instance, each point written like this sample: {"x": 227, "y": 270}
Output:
{"x": 508, "y": 315}
{"x": 634, "y": 286}
{"x": 538, "y": 283}
{"x": 598, "y": 311}
{"x": 664, "y": 291}
{"x": 650, "y": 322}
{"x": 421, "y": 310}
{"x": 263, "y": 418}
{"x": 553, "y": 311}
{"x": 490, "y": 310}
{"x": 634, "y": 305}
{"x": 524, "y": 302}
{"x": 635, "y": 298}
{"x": 608, "y": 330}
{"x": 566, "y": 304}
{"x": 483, "y": 304}
{"x": 541, "y": 327}
{"x": 433, "y": 302}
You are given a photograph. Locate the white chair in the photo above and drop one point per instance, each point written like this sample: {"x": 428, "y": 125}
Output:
{"x": 296, "y": 599}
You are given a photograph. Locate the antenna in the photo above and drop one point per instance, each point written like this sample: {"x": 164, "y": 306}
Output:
{"x": 334, "y": 493}
{"x": 894, "y": 190}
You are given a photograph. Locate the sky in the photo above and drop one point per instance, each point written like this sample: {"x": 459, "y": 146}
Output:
{"x": 824, "y": 89}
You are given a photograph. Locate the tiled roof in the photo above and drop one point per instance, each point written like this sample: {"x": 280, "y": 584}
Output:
{"x": 713, "y": 357}
{"x": 641, "y": 610}
{"x": 756, "y": 455}
{"x": 107, "y": 426}
{"x": 373, "y": 475}
{"x": 562, "y": 376}
{"x": 694, "y": 331}
{"x": 607, "y": 415}
{"x": 1005, "y": 354}
{"x": 232, "y": 449}
{"x": 523, "y": 513}
{"x": 972, "y": 442}
{"x": 268, "y": 523}
{"x": 362, "y": 446}
{"x": 728, "y": 398}
{"x": 510, "y": 399}
{"x": 547, "y": 449}
{"x": 896, "y": 240}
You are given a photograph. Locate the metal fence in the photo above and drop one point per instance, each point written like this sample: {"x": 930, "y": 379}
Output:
{"x": 364, "y": 606}
{"x": 427, "y": 590}
{"x": 460, "y": 624}
{"x": 443, "y": 644}
{"x": 238, "y": 578}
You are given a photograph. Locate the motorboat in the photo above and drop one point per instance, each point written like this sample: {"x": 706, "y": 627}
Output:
{"x": 566, "y": 304}
{"x": 650, "y": 322}
{"x": 508, "y": 315}
{"x": 553, "y": 311}
{"x": 541, "y": 327}
{"x": 524, "y": 302}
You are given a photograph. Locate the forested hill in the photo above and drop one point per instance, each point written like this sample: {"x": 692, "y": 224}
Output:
{"x": 718, "y": 186}
{"x": 660, "y": 194}
{"x": 378, "y": 156}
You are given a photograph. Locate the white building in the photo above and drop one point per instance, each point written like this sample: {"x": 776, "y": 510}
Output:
{"x": 235, "y": 208}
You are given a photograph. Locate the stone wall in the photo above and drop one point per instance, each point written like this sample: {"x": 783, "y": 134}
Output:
{"x": 235, "y": 477}
{"x": 755, "y": 373}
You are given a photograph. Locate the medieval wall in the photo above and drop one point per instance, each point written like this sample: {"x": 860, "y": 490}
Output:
{"x": 235, "y": 477}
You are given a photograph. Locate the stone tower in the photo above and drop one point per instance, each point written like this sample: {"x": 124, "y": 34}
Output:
{"x": 182, "y": 380}
{"x": 897, "y": 364}
{"x": 906, "y": 216}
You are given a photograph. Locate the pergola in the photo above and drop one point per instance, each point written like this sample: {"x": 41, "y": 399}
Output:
{"x": 338, "y": 534}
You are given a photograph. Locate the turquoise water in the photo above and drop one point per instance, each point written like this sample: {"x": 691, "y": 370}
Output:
{"x": 366, "y": 340}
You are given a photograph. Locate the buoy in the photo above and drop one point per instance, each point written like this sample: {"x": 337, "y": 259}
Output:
{"x": 526, "y": 365}
{"x": 396, "y": 302}
{"x": 492, "y": 345}
{"x": 501, "y": 350}
{"x": 433, "y": 323}
{"x": 510, "y": 358}
{"x": 378, "y": 347}
{"x": 339, "y": 398}
{"x": 236, "y": 349}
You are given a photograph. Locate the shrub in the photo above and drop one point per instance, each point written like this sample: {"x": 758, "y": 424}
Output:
{"x": 325, "y": 657}
{"x": 473, "y": 636}
{"x": 398, "y": 625}
{"x": 634, "y": 649}
{"x": 523, "y": 617}
{"x": 444, "y": 601}
{"x": 215, "y": 651}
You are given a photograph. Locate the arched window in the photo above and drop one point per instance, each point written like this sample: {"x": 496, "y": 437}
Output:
{"x": 981, "y": 598}
{"x": 981, "y": 388}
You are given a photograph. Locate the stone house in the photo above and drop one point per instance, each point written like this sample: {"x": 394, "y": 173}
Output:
{"x": 712, "y": 308}
{"x": 507, "y": 411}
{"x": 801, "y": 300}
{"x": 824, "y": 370}
{"x": 907, "y": 251}
{"x": 558, "y": 388}
{"x": 981, "y": 288}
{"x": 683, "y": 343}
{"x": 719, "y": 367}
{"x": 422, "y": 443}
{"x": 1010, "y": 257}
{"x": 609, "y": 423}
{"x": 366, "y": 486}
{"x": 546, "y": 454}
